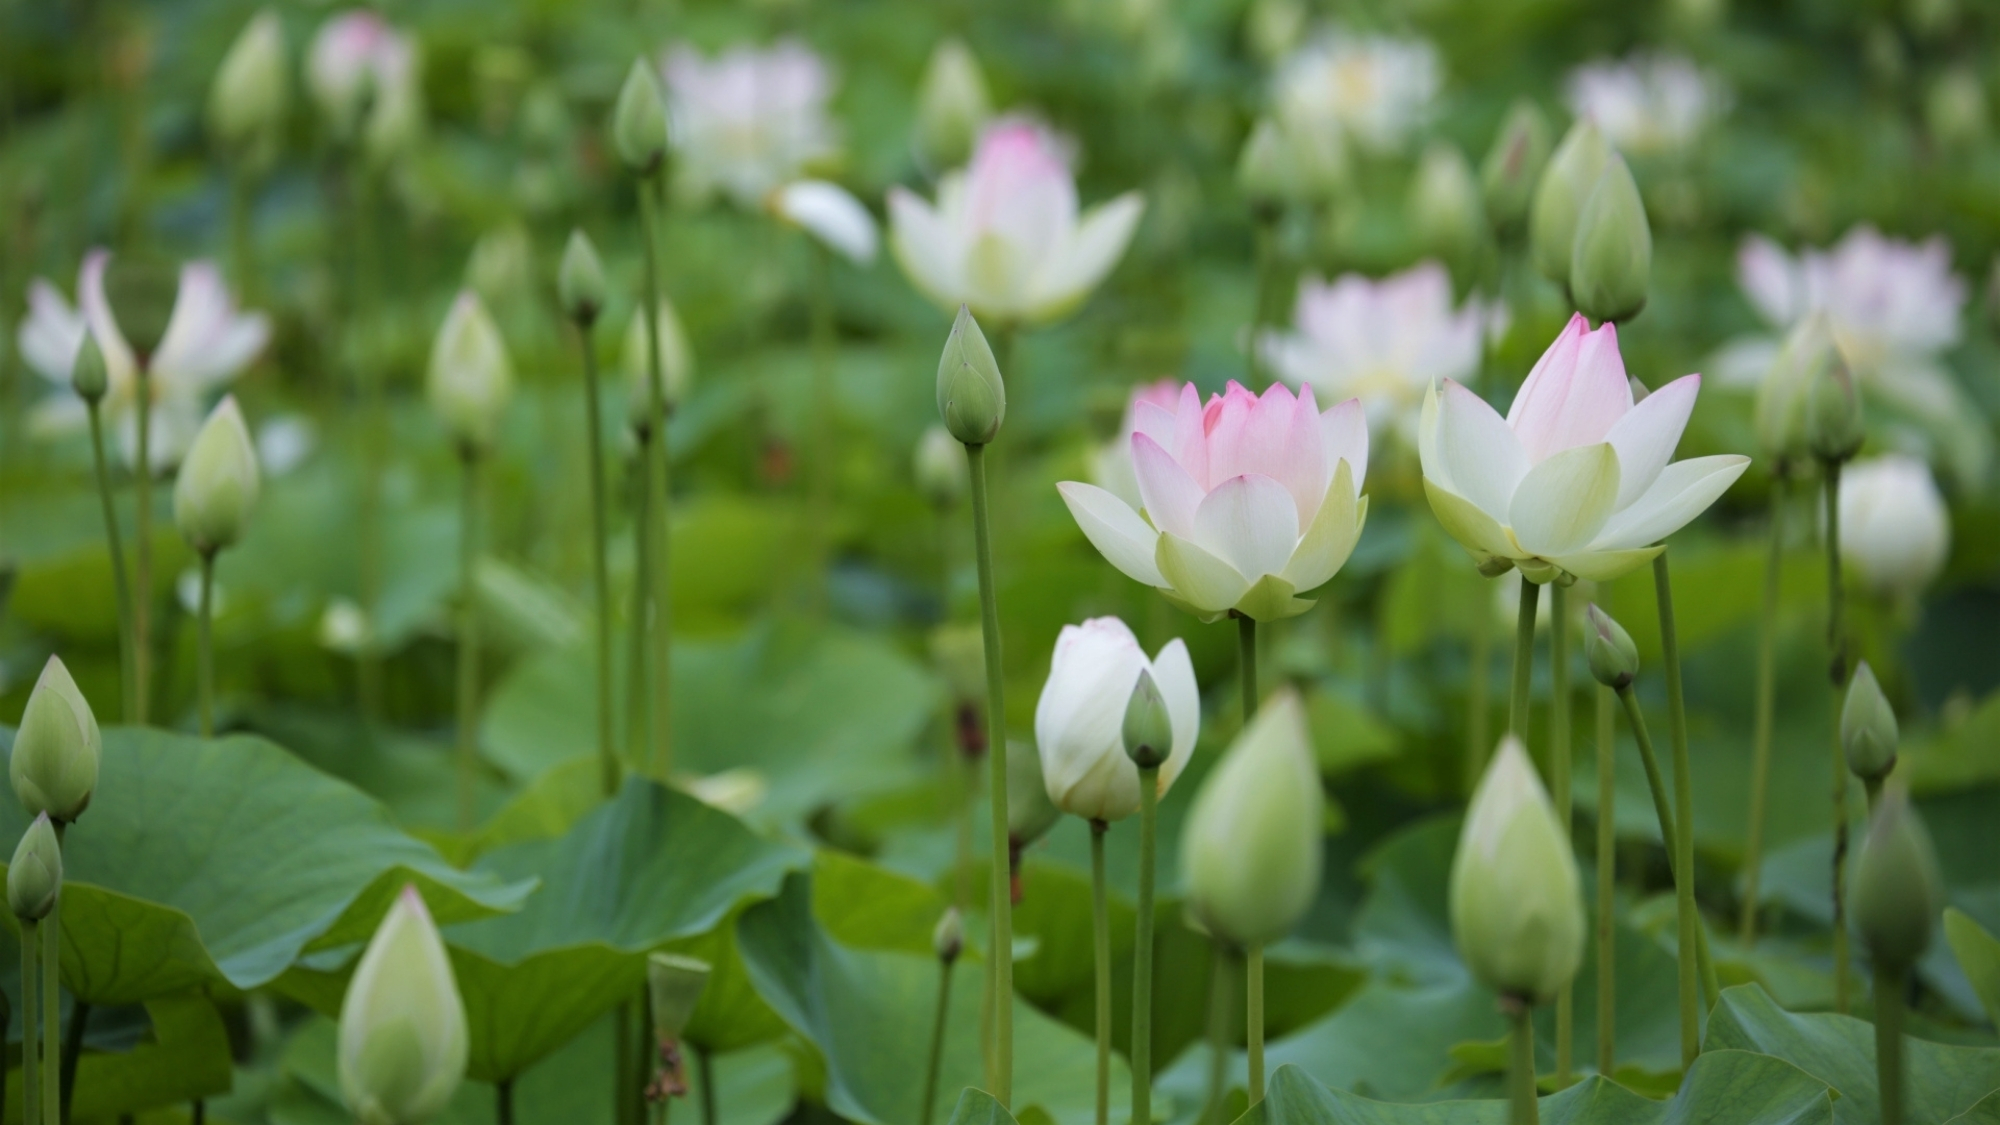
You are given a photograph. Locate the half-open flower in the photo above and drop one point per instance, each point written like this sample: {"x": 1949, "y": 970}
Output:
{"x": 1576, "y": 477}
{"x": 1248, "y": 501}
{"x": 1082, "y": 711}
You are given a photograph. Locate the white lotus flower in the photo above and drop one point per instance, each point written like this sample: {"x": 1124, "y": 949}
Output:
{"x": 1576, "y": 477}
{"x": 1648, "y": 104}
{"x": 1373, "y": 88}
{"x": 748, "y": 120}
{"x": 831, "y": 214}
{"x": 1895, "y": 531}
{"x": 1081, "y": 715}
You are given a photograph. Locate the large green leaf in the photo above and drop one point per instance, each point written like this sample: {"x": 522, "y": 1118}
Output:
{"x": 183, "y": 1055}
{"x": 1978, "y": 954}
{"x": 221, "y": 861}
{"x": 977, "y": 1107}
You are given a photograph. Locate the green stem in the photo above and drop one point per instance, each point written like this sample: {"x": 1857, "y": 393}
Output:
{"x": 1253, "y": 958}
{"x": 120, "y": 583}
{"x": 142, "y": 566}
{"x": 503, "y": 1102}
{"x": 205, "y": 645}
{"x": 823, "y": 424}
{"x": 1690, "y": 922}
{"x": 1767, "y": 692}
{"x": 468, "y": 641}
{"x": 1559, "y": 769}
{"x": 638, "y": 709}
{"x": 372, "y": 386}
{"x": 1218, "y": 1034}
{"x": 1874, "y": 787}
{"x": 1836, "y": 638}
{"x": 657, "y": 469}
{"x": 31, "y": 1036}
{"x": 711, "y": 1098}
{"x": 54, "y": 1097}
{"x": 607, "y": 752}
{"x": 622, "y": 1078}
{"x": 1524, "y": 661}
{"x": 1524, "y": 1108}
{"x": 1265, "y": 237}
{"x": 1246, "y": 664}
{"x": 1100, "y": 941}
{"x": 1663, "y": 810}
{"x": 1142, "y": 951}
{"x": 239, "y": 233}
{"x": 1001, "y": 1081}
{"x": 1478, "y": 739}
{"x": 926, "y": 1108}
{"x": 1607, "y": 872}
{"x": 663, "y": 609}
{"x": 79, "y": 1019}
{"x": 1889, "y": 985}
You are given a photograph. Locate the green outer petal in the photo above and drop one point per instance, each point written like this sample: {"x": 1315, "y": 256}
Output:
{"x": 1208, "y": 583}
{"x": 1464, "y": 521}
{"x": 1561, "y": 505}
{"x": 1185, "y": 606}
{"x": 1271, "y": 600}
{"x": 1330, "y": 539}
{"x": 1603, "y": 566}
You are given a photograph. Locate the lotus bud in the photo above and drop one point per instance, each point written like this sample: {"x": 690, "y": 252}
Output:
{"x": 471, "y": 377}
{"x": 1868, "y": 726}
{"x": 580, "y": 281}
{"x": 1512, "y": 166}
{"x": 1445, "y": 208}
{"x": 948, "y": 938}
{"x": 56, "y": 748}
{"x": 403, "y": 1041}
{"x": 1265, "y": 170}
{"x": 1614, "y": 659}
{"x": 1566, "y": 184}
{"x": 1516, "y": 908}
{"x": 1780, "y": 413}
{"x": 1834, "y": 427}
{"x": 1250, "y": 853}
{"x": 639, "y": 121}
{"x": 1030, "y": 813}
{"x": 1895, "y": 531}
{"x": 940, "y": 466}
{"x": 952, "y": 106}
{"x": 247, "y": 103}
{"x": 676, "y": 362}
{"x": 1612, "y": 261}
{"x": 141, "y": 292}
{"x": 1148, "y": 732}
{"x": 218, "y": 482}
{"x": 34, "y": 877}
{"x": 675, "y": 984}
{"x": 1897, "y": 892}
{"x": 1274, "y": 27}
{"x": 971, "y": 398}
{"x": 88, "y": 374}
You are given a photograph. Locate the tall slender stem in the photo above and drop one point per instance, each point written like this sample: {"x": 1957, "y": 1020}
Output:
{"x": 1559, "y": 769}
{"x": 1607, "y": 886}
{"x": 1218, "y": 1034}
{"x": 1253, "y": 957}
{"x": 1524, "y": 1105}
{"x": 1836, "y": 639}
{"x": 372, "y": 386}
{"x": 1889, "y": 986}
{"x": 1767, "y": 692}
{"x": 205, "y": 645}
{"x": 503, "y": 1102}
{"x": 1478, "y": 739}
{"x": 142, "y": 565}
{"x": 1873, "y": 785}
{"x": 607, "y": 752}
{"x": 468, "y": 640}
{"x": 1265, "y": 237}
{"x": 1001, "y": 1081}
{"x": 1524, "y": 660}
{"x": 711, "y": 1097}
{"x": 623, "y": 1079}
{"x": 1663, "y": 810}
{"x": 31, "y": 1011}
{"x": 120, "y": 583}
{"x": 823, "y": 425}
{"x": 57, "y": 1073}
{"x": 926, "y": 1109}
{"x": 1246, "y": 665}
{"x": 656, "y": 469}
{"x": 1142, "y": 951}
{"x": 1100, "y": 943}
{"x": 1690, "y": 921}
{"x": 638, "y": 701}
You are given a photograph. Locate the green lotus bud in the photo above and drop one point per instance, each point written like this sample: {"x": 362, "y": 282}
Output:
{"x": 502, "y": 265}
{"x": 471, "y": 377}
{"x": 1512, "y": 166}
{"x": 1030, "y": 813}
{"x": 948, "y": 938}
{"x": 88, "y": 374}
{"x": 580, "y": 281}
{"x": 1264, "y": 170}
{"x": 676, "y": 362}
{"x": 1614, "y": 659}
{"x": 403, "y": 1041}
{"x": 34, "y": 878}
{"x": 141, "y": 291}
{"x": 1446, "y": 211}
{"x": 1897, "y": 892}
{"x": 1148, "y": 732}
{"x": 940, "y": 466}
{"x": 248, "y": 102}
{"x": 1566, "y": 184}
{"x": 952, "y": 106}
{"x": 56, "y": 747}
{"x": 1834, "y": 425}
{"x": 1516, "y": 907}
{"x": 675, "y": 984}
{"x": 1250, "y": 851}
{"x": 1612, "y": 262}
{"x": 1868, "y": 729}
{"x": 639, "y": 121}
{"x": 218, "y": 482}
{"x": 971, "y": 398}
{"x": 1780, "y": 414}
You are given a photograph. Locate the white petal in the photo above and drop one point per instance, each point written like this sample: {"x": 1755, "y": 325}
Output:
{"x": 1118, "y": 533}
{"x": 1563, "y": 501}
{"x": 1251, "y": 523}
{"x": 1082, "y": 705}
{"x": 1100, "y": 239}
{"x": 1683, "y": 491}
{"x": 1199, "y": 578}
{"x": 1482, "y": 460}
{"x": 831, "y": 214}
{"x": 51, "y": 333}
{"x": 1646, "y": 436}
{"x": 1330, "y": 538}
{"x": 1173, "y": 672}
{"x": 1345, "y": 428}
{"x": 926, "y": 249}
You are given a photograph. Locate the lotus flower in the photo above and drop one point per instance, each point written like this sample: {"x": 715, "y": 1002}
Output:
{"x": 1647, "y": 104}
{"x": 1575, "y": 479}
{"x": 1111, "y": 463}
{"x": 1373, "y": 88}
{"x": 1005, "y": 237}
{"x": 1248, "y": 501}
{"x": 1082, "y": 711}
{"x": 1895, "y": 531}
{"x": 747, "y": 121}
{"x": 358, "y": 61}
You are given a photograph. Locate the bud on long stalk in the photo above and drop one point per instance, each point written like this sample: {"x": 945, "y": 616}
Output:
{"x": 580, "y": 280}
{"x": 1513, "y": 166}
{"x": 1516, "y": 902}
{"x": 1614, "y": 659}
{"x": 218, "y": 483}
{"x": 1565, "y": 186}
{"x": 252, "y": 91}
{"x": 952, "y": 107}
{"x": 639, "y": 120}
{"x": 1868, "y": 731}
{"x": 56, "y": 747}
{"x": 1250, "y": 851}
{"x": 403, "y": 1041}
{"x": 971, "y": 398}
{"x": 34, "y": 875}
{"x": 1611, "y": 263}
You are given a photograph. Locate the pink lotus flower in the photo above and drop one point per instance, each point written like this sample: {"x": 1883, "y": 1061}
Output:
{"x": 1248, "y": 501}
{"x": 1111, "y": 463}
{"x": 1005, "y": 237}
{"x": 1576, "y": 478}
{"x": 358, "y": 61}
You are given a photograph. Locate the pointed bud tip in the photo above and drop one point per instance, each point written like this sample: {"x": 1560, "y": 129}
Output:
{"x": 1868, "y": 730}
{"x": 1148, "y": 731}
{"x": 1611, "y": 262}
{"x": 948, "y": 938}
{"x": 1897, "y": 892}
{"x": 1614, "y": 659}
{"x": 580, "y": 280}
{"x": 971, "y": 396}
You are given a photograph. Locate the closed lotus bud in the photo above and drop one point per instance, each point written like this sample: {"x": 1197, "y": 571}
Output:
{"x": 971, "y": 398}
{"x": 1148, "y": 731}
{"x": 141, "y": 291}
{"x": 56, "y": 747}
{"x": 218, "y": 482}
{"x": 676, "y": 362}
{"x": 88, "y": 374}
{"x": 1446, "y": 210}
{"x": 247, "y": 103}
{"x": 1513, "y": 165}
{"x": 639, "y": 121}
{"x": 940, "y": 465}
{"x": 675, "y": 985}
{"x": 1264, "y": 170}
{"x": 1030, "y": 813}
{"x": 1780, "y": 414}
{"x": 1250, "y": 853}
{"x": 1868, "y": 729}
{"x": 1834, "y": 426}
{"x": 952, "y": 107}
{"x": 1516, "y": 907}
{"x": 1565, "y": 186}
{"x": 948, "y": 938}
{"x": 34, "y": 877}
{"x": 1612, "y": 263}
{"x": 580, "y": 281}
{"x": 1104, "y": 697}
{"x": 1614, "y": 659}
{"x": 471, "y": 377}
{"x": 1897, "y": 892}
{"x": 403, "y": 1038}
{"x": 1895, "y": 531}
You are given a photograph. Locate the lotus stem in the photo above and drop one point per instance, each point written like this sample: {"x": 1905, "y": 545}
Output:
{"x": 1836, "y": 639}
{"x": 1478, "y": 739}
{"x": 1218, "y": 1034}
{"x": 1767, "y": 691}
{"x": 205, "y": 645}
{"x": 374, "y": 421}
{"x": 1253, "y": 957}
{"x": 1690, "y": 921}
{"x": 1889, "y": 986}
{"x": 822, "y": 427}
{"x": 939, "y": 1022}
{"x": 1524, "y": 1106}
{"x": 1524, "y": 660}
{"x": 711, "y": 1098}
{"x": 1100, "y": 942}
{"x": 1559, "y": 768}
{"x": 128, "y": 706}
{"x": 1607, "y": 886}
{"x": 659, "y": 467}
{"x": 468, "y": 641}
{"x": 1142, "y": 951}
{"x": 607, "y": 752}
{"x": 638, "y": 701}
{"x": 239, "y": 231}
{"x": 58, "y": 1074}
{"x": 31, "y": 1037}
{"x": 503, "y": 1102}
{"x": 1001, "y": 1082}
{"x": 142, "y": 564}
{"x": 1874, "y": 787}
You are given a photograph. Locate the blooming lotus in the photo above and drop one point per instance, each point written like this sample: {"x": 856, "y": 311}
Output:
{"x": 1647, "y": 104}
{"x": 1248, "y": 500}
{"x": 748, "y": 120}
{"x": 1384, "y": 342}
{"x": 1895, "y": 531}
{"x": 207, "y": 343}
{"x": 1373, "y": 88}
{"x": 359, "y": 62}
{"x": 1006, "y": 238}
{"x": 1575, "y": 479}
{"x": 1111, "y": 463}
{"x": 1081, "y": 713}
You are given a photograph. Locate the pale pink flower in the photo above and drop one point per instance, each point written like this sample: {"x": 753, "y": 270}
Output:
{"x": 1111, "y": 463}
{"x": 1374, "y": 88}
{"x": 358, "y": 61}
{"x": 1248, "y": 500}
{"x": 1006, "y": 236}
{"x": 749, "y": 120}
{"x": 1576, "y": 477}
{"x": 1648, "y": 103}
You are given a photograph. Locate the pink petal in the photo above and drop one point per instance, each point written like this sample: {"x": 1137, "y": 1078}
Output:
{"x": 1190, "y": 444}
{"x": 1575, "y": 394}
{"x": 1170, "y": 494}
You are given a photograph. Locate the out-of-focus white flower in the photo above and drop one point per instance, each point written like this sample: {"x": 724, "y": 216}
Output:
{"x": 1374, "y": 88}
{"x": 1384, "y": 342}
{"x": 1895, "y": 531}
{"x": 736, "y": 791}
{"x": 207, "y": 343}
{"x": 747, "y": 120}
{"x": 343, "y": 627}
{"x": 1081, "y": 714}
{"x": 284, "y": 442}
{"x": 1648, "y": 104}
{"x": 359, "y": 62}
{"x": 187, "y": 591}
{"x": 1111, "y": 463}
{"x": 1005, "y": 237}
{"x": 831, "y": 214}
